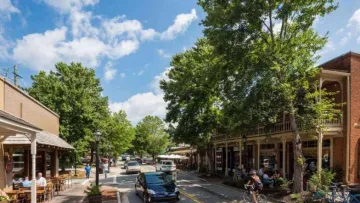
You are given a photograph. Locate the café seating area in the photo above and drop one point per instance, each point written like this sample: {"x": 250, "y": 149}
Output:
{"x": 21, "y": 194}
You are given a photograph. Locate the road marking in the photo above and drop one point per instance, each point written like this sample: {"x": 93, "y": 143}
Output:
{"x": 114, "y": 180}
{"x": 85, "y": 181}
{"x": 193, "y": 198}
{"x": 118, "y": 197}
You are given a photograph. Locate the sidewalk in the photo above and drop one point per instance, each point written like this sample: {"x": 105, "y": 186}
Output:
{"x": 76, "y": 194}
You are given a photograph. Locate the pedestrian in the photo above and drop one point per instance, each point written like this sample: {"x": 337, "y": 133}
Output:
{"x": 87, "y": 171}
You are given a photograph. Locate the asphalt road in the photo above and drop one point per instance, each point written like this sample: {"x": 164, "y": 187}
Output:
{"x": 192, "y": 189}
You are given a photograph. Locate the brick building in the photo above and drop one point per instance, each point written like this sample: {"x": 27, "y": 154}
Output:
{"x": 339, "y": 147}
{"x": 31, "y": 131}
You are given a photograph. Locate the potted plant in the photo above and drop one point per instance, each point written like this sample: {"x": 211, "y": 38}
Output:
{"x": 4, "y": 198}
{"x": 93, "y": 193}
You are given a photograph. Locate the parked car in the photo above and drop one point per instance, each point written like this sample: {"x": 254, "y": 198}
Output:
{"x": 139, "y": 160}
{"x": 166, "y": 165}
{"x": 156, "y": 186}
{"x": 133, "y": 167}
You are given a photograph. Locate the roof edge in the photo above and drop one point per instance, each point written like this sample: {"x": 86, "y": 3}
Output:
{"x": 28, "y": 96}
{"x": 351, "y": 53}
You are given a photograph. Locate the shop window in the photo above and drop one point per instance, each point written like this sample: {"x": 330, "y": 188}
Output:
{"x": 326, "y": 143}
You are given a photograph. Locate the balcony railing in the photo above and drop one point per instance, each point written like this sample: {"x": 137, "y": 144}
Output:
{"x": 278, "y": 128}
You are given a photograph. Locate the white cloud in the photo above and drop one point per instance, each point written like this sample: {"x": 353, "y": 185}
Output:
{"x": 180, "y": 25}
{"x": 122, "y": 75}
{"x": 66, "y": 6}
{"x": 140, "y": 105}
{"x": 131, "y": 28}
{"x": 81, "y": 24}
{"x": 149, "y": 103}
{"x": 355, "y": 20}
{"x": 39, "y": 51}
{"x": 329, "y": 47}
{"x": 345, "y": 39}
{"x": 140, "y": 72}
{"x": 155, "y": 83}
{"x": 162, "y": 53}
{"x": 6, "y": 8}
{"x": 123, "y": 48}
{"x": 110, "y": 72}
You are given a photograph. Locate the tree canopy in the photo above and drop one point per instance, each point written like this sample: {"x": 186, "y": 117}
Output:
{"x": 74, "y": 93}
{"x": 151, "y": 136}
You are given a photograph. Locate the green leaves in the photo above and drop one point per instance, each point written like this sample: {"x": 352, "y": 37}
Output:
{"x": 73, "y": 92}
{"x": 151, "y": 136}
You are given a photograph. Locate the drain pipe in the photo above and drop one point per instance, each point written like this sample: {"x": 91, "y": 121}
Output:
{"x": 347, "y": 130}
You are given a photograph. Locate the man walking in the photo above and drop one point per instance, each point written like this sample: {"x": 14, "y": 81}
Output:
{"x": 87, "y": 171}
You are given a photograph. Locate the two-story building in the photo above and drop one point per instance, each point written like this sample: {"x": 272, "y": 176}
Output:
{"x": 31, "y": 131}
{"x": 339, "y": 147}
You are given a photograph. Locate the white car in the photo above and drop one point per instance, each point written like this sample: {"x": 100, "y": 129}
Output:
{"x": 166, "y": 165}
{"x": 133, "y": 167}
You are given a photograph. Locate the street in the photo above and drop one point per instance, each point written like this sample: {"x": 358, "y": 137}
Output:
{"x": 192, "y": 189}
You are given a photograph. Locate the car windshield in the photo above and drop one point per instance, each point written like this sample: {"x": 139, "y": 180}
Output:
{"x": 133, "y": 164}
{"x": 168, "y": 163}
{"x": 157, "y": 179}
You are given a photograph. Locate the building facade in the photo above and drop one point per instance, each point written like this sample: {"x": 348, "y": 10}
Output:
{"x": 337, "y": 148}
{"x": 29, "y": 132}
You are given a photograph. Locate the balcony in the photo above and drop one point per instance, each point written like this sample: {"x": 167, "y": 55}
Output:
{"x": 278, "y": 128}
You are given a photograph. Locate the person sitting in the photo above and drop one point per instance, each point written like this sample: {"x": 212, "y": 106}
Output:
{"x": 41, "y": 181}
{"x": 26, "y": 182}
{"x": 276, "y": 175}
{"x": 268, "y": 180}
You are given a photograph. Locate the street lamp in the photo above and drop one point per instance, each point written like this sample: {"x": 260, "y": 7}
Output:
{"x": 97, "y": 139}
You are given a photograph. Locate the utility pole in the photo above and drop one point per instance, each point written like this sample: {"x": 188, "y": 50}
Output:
{"x": 16, "y": 75}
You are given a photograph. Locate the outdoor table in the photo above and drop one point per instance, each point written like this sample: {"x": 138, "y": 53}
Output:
{"x": 38, "y": 193}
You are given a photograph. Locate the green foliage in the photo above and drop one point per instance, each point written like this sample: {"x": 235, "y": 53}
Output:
{"x": 192, "y": 93}
{"x": 151, "y": 136}
{"x": 118, "y": 134}
{"x": 321, "y": 181}
{"x": 270, "y": 47}
{"x": 93, "y": 189}
{"x": 74, "y": 93}
{"x": 284, "y": 183}
{"x": 295, "y": 196}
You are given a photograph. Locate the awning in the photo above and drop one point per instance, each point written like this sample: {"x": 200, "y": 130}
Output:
{"x": 172, "y": 156}
{"x": 186, "y": 151}
{"x": 42, "y": 138}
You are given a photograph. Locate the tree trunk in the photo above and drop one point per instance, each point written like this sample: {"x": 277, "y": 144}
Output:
{"x": 91, "y": 156}
{"x": 298, "y": 157}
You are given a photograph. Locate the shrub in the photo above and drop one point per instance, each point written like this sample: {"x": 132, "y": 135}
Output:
{"x": 321, "y": 181}
{"x": 93, "y": 189}
{"x": 284, "y": 183}
{"x": 295, "y": 196}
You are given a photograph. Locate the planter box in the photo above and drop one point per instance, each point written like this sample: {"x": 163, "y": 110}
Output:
{"x": 95, "y": 198}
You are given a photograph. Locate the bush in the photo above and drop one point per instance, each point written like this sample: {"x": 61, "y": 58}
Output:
{"x": 284, "y": 183}
{"x": 93, "y": 189}
{"x": 321, "y": 181}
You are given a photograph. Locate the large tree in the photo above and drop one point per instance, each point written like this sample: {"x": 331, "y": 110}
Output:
{"x": 193, "y": 95}
{"x": 73, "y": 92}
{"x": 151, "y": 136}
{"x": 118, "y": 134}
{"x": 274, "y": 46}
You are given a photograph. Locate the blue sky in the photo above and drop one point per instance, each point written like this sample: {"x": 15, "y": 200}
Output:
{"x": 129, "y": 43}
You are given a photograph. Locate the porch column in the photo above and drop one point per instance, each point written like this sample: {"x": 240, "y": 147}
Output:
{"x": 258, "y": 155}
{"x": 198, "y": 161}
{"x": 319, "y": 151}
{"x": 331, "y": 152}
{"x": 55, "y": 163}
{"x": 283, "y": 140}
{"x": 215, "y": 158}
{"x": 240, "y": 155}
{"x": 33, "y": 173}
{"x": 226, "y": 159}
